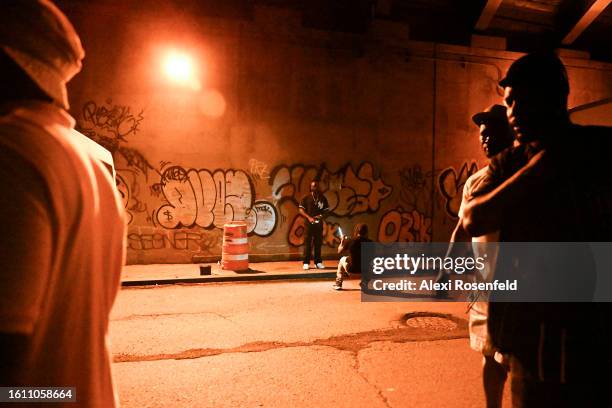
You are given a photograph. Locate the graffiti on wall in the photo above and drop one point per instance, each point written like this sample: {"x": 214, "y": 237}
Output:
{"x": 124, "y": 190}
{"x": 399, "y": 225}
{"x": 258, "y": 170}
{"x": 205, "y": 242}
{"x": 129, "y": 191}
{"x": 416, "y": 188}
{"x": 348, "y": 191}
{"x": 186, "y": 207}
{"x": 110, "y": 125}
{"x": 118, "y": 121}
{"x": 210, "y": 199}
{"x": 190, "y": 198}
{"x": 451, "y": 182}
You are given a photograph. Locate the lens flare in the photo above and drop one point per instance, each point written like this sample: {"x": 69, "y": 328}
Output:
{"x": 212, "y": 103}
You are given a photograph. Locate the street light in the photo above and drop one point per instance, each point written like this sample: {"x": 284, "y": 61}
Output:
{"x": 180, "y": 69}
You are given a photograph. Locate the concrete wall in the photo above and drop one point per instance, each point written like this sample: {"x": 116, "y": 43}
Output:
{"x": 384, "y": 121}
{"x": 594, "y": 113}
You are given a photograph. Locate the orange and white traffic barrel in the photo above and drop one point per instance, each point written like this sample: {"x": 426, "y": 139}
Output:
{"x": 235, "y": 249}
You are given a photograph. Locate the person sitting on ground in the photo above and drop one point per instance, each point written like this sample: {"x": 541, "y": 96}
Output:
{"x": 351, "y": 264}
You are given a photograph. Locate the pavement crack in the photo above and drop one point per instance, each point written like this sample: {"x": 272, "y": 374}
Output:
{"x": 353, "y": 343}
{"x": 155, "y": 315}
{"x": 363, "y": 375}
{"x": 254, "y": 347}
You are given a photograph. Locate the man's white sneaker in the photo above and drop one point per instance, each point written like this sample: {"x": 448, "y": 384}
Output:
{"x": 337, "y": 286}
{"x": 320, "y": 265}
{"x": 305, "y": 267}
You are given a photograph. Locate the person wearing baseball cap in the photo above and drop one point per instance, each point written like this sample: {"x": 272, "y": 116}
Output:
{"x": 554, "y": 185}
{"x": 61, "y": 250}
{"x": 536, "y": 89}
{"x": 494, "y": 136}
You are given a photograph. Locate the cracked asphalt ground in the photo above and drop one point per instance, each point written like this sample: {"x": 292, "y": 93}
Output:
{"x": 288, "y": 344}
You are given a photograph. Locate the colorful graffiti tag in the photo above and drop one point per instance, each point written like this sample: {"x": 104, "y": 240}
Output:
{"x": 210, "y": 199}
{"x": 399, "y": 225}
{"x": 178, "y": 210}
{"x": 297, "y": 233}
{"x": 347, "y": 191}
{"x": 204, "y": 242}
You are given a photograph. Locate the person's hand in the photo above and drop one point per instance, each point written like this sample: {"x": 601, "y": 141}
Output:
{"x": 311, "y": 220}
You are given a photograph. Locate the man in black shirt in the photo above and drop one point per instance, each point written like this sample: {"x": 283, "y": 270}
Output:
{"x": 554, "y": 186}
{"x": 351, "y": 264}
{"x": 313, "y": 207}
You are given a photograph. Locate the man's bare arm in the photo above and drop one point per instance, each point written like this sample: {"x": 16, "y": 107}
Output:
{"x": 484, "y": 214}
{"x": 344, "y": 242}
{"x": 460, "y": 234}
{"x": 305, "y": 215}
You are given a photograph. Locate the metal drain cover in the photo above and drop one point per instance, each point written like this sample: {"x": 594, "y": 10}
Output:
{"x": 430, "y": 321}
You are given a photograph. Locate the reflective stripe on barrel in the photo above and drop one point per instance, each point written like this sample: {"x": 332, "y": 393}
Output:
{"x": 236, "y": 241}
{"x": 240, "y": 257}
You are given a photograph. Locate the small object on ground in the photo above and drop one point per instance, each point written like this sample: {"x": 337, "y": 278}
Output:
{"x": 305, "y": 267}
{"x": 320, "y": 265}
{"x": 205, "y": 270}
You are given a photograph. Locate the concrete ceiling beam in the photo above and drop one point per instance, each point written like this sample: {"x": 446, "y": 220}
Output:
{"x": 487, "y": 14}
{"x": 587, "y": 18}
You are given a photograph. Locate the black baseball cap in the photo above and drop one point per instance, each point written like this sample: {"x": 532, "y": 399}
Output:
{"x": 539, "y": 70}
{"x": 492, "y": 113}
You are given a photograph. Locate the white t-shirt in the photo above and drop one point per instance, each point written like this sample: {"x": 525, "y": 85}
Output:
{"x": 479, "y": 250}
{"x": 479, "y": 336}
{"x": 61, "y": 253}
